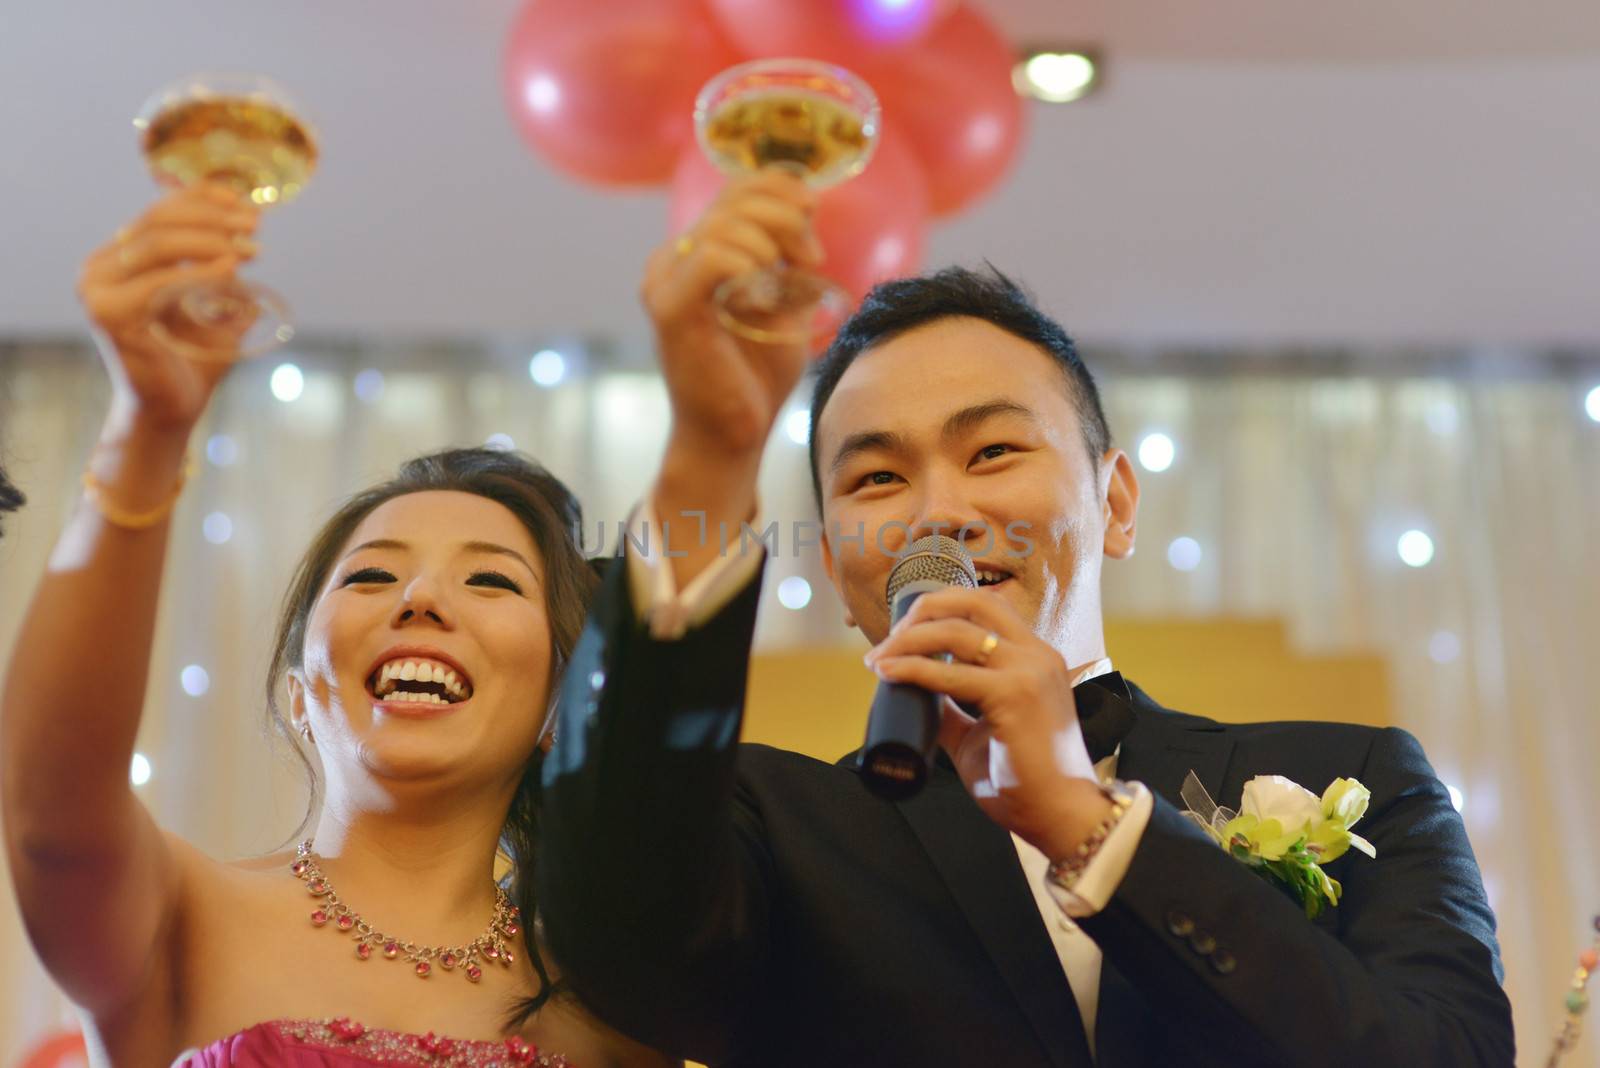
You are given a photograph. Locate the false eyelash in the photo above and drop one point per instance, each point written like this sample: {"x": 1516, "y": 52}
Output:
{"x": 368, "y": 574}
{"x": 504, "y": 580}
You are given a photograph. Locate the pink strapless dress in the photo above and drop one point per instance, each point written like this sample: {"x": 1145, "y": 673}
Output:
{"x": 341, "y": 1043}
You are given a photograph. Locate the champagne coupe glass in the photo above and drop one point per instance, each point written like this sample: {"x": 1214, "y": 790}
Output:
{"x": 812, "y": 118}
{"x": 244, "y": 131}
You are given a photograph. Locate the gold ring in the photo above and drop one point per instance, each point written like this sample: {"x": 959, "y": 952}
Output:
{"x": 991, "y": 642}
{"x": 683, "y": 246}
{"x": 125, "y": 255}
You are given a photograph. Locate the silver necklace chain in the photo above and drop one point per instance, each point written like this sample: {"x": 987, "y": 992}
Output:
{"x": 488, "y": 947}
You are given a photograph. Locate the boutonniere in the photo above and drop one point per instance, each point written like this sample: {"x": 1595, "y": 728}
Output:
{"x": 1285, "y": 833}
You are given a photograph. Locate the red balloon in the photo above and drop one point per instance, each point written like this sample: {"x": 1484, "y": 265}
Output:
{"x": 849, "y": 32}
{"x": 953, "y": 98}
{"x": 604, "y": 89}
{"x": 872, "y": 226}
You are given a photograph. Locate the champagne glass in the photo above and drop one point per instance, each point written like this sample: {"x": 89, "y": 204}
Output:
{"x": 244, "y": 131}
{"x": 815, "y": 119}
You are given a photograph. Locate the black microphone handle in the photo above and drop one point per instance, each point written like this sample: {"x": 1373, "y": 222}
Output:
{"x": 902, "y": 734}
{"x": 903, "y": 726}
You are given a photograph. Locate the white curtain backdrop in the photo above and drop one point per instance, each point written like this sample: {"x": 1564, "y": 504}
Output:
{"x": 1296, "y": 475}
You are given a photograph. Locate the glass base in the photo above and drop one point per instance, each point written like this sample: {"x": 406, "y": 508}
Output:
{"x": 221, "y": 321}
{"x": 782, "y": 306}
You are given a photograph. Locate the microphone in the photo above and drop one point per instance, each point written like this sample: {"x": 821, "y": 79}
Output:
{"x": 903, "y": 726}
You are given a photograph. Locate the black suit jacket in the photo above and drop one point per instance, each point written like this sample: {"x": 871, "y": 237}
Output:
{"x": 745, "y": 906}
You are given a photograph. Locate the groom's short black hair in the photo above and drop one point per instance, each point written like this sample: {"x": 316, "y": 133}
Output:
{"x": 892, "y": 308}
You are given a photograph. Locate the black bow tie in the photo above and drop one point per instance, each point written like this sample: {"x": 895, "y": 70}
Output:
{"x": 1105, "y": 713}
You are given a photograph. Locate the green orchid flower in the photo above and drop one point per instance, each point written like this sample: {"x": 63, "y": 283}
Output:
{"x": 1285, "y": 834}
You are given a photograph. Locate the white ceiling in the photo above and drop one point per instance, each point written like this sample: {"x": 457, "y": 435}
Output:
{"x": 1253, "y": 171}
{"x": 1350, "y": 31}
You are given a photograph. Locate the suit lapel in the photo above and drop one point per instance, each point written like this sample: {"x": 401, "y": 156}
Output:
{"x": 1160, "y": 751}
{"x": 1163, "y": 747}
{"x": 979, "y": 864}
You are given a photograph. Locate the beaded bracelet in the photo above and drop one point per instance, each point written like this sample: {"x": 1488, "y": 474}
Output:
{"x": 1065, "y": 873}
{"x": 1577, "y": 1000}
{"x": 125, "y": 518}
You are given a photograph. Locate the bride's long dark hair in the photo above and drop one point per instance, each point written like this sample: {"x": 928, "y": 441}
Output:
{"x": 544, "y": 505}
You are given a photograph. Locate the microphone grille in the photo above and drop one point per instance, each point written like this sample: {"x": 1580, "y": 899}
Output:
{"x": 936, "y": 558}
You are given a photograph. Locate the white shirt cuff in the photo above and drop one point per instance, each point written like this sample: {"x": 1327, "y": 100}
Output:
{"x": 1106, "y": 868}
{"x": 668, "y": 611}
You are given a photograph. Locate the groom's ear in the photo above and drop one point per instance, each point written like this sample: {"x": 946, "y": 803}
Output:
{"x": 1119, "y": 493}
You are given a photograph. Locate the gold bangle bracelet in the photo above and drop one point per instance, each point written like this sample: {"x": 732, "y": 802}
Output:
{"x": 1065, "y": 873}
{"x": 126, "y": 518}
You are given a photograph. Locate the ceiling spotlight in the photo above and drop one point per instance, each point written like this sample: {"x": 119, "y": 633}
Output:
{"x": 1057, "y": 76}
{"x": 1184, "y": 554}
{"x": 1415, "y": 548}
{"x": 547, "y": 367}
{"x": 287, "y": 382}
{"x": 1156, "y": 452}
{"x": 794, "y": 593}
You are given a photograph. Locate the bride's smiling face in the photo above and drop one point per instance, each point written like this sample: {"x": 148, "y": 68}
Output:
{"x": 427, "y": 655}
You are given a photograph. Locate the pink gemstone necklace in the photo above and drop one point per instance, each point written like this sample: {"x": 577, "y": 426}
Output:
{"x": 489, "y": 946}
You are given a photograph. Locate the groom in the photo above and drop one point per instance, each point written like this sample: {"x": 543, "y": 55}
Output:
{"x": 1042, "y": 901}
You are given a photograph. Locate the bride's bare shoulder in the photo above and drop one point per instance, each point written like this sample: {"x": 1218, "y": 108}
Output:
{"x": 266, "y": 862}
{"x": 195, "y": 863}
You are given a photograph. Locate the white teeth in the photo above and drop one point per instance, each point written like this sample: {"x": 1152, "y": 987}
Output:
{"x": 391, "y": 674}
{"x": 407, "y": 697}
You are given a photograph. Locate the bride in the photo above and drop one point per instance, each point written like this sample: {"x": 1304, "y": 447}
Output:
{"x": 419, "y": 646}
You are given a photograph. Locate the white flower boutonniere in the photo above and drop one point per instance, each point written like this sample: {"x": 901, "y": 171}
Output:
{"x": 1285, "y": 833}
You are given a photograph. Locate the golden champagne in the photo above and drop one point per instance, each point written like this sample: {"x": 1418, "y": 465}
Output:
{"x": 262, "y": 150}
{"x": 824, "y": 137}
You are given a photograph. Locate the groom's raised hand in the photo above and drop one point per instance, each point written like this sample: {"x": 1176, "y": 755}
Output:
{"x": 725, "y": 391}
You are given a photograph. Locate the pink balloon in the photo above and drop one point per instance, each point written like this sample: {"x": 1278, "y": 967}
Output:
{"x": 849, "y": 32}
{"x": 952, "y": 97}
{"x": 872, "y": 227}
{"x": 604, "y": 89}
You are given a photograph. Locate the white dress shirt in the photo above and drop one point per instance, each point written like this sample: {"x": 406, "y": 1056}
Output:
{"x": 669, "y": 612}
